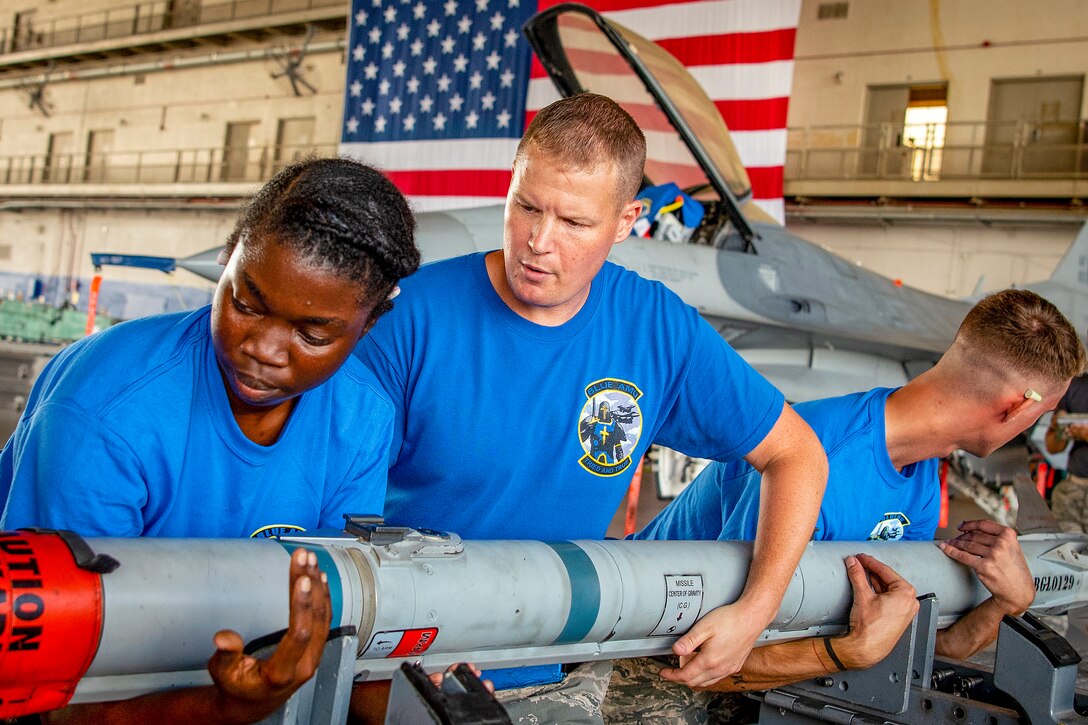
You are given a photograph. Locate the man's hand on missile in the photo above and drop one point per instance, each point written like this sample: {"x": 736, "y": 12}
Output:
{"x": 249, "y": 689}
{"x": 794, "y": 469}
{"x": 994, "y": 553}
{"x": 884, "y": 605}
{"x": 717, "y": 645}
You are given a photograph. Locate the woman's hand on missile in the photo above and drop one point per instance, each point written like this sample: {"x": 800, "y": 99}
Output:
{"x": 884, "y": 605}
{"x": 994, "y": 553}
{"x": 248, "y": 688}
{"x": 717, "y": 645}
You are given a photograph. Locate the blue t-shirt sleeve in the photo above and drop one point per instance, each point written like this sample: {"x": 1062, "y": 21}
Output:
{"x": 695, "y": 515}
{"x": 924, "y": 526}
{"x": 724, "y": 408}
{"x": 375, "y": 352}
{"x": 364, "y": 492}
{"x": 73, "y": 472}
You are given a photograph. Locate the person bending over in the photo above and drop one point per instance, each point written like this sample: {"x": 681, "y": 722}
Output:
{"x": 530, "y": 380}
{"x": 249, "y": 417}
{"x": 1011, "y": 360}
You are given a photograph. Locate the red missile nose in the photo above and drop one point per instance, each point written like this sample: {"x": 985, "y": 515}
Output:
{"x": 50, "y": 622}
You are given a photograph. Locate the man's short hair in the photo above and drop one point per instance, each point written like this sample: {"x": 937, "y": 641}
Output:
{"x": 586, "y": 131}
{"x": 1026, "y": 333}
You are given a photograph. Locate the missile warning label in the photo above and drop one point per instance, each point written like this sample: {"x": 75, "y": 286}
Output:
{"x": 401, "y": 643}
{"x": 683, "y": 603}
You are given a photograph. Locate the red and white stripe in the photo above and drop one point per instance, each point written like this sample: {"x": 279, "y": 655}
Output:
{"x": 740, "y": 51}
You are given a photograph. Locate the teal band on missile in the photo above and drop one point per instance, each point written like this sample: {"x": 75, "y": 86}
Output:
{"x": 328, "y": 566}
{"x": 585, "y": 592}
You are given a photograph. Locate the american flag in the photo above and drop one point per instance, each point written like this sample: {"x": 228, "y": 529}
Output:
{"x": 439, "y": 91}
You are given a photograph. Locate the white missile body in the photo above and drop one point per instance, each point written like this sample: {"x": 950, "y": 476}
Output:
{"x": 428, "y": 597}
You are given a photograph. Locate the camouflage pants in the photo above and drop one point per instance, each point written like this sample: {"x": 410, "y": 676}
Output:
{"x": 638, "y": 694}
{"x": 1069, "y": 502}
{"x": 575, "y": 700}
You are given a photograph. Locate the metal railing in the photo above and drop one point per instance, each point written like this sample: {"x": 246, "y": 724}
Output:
{"x": 178, "y": 166}
{"x": 143, "y": 18}
{"x": 971, "y": 150}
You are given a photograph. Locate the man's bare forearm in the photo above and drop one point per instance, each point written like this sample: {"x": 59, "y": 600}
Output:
{"x": 971, "y": 632}
{"x": 779, "y": 664}
{"x": 790, "y": 494}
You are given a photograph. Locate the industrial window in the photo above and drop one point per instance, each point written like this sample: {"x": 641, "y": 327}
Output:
{"x": 832, "y": 11}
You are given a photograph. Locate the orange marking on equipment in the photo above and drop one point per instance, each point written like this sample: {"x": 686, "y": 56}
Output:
{"x": 50, "y": 622}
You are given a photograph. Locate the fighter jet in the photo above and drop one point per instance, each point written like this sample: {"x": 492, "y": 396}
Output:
{"x": 815, "y": 324}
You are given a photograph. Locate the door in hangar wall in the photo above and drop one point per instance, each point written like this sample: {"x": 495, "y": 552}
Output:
{"x": 97, "y": 161}
{"x": 882, "y": 136}
{"x": 239, "y": 164}
{"x": 58, "y": 161}
{"x": 1033, "y": 126}
{"x": 294, "y": 139}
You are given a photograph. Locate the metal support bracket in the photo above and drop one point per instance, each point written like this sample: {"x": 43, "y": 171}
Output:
{"x": 461, "y": 700}
{"x": 324, "y": 699}
{"x": 885, "y": 686}
{"x": 1038, "y": 668}
{"x": 1033, "y": 681}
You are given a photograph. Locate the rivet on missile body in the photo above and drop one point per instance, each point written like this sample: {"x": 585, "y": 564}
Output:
{"x": 432, "y": 615}
{"x": 428, "y": 569}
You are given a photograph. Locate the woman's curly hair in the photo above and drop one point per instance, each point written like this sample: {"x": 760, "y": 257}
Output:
{"x": 338, "y": 214}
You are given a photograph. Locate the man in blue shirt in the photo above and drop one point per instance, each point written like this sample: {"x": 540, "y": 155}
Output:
{"x": 493, "y": 362}
{"x": 1011, "y": 361}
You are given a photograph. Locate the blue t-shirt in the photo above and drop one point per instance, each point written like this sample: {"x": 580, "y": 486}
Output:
{"x": 130, "y": 433}
{"x": 509, "y": 429}
{"x": 866, "y": 497}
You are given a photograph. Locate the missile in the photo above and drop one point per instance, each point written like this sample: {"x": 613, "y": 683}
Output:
{"x": 84, "y": 620}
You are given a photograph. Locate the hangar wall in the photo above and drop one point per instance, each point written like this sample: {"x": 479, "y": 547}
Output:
{"x": 134, "y": 151}
{"x": 846, "y": 51}
{"x": 46, "y": 253}
{"x": 166, "y": 111}
{"x": 965, "y": 43}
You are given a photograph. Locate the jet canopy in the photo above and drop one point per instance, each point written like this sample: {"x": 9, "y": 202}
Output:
{"x": 687, "y": 141}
